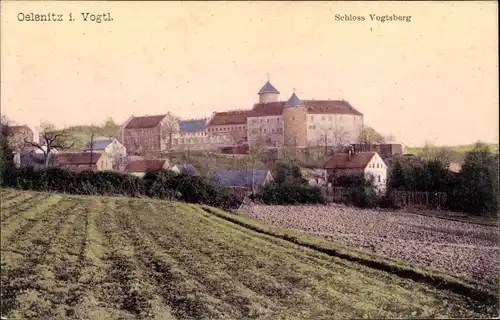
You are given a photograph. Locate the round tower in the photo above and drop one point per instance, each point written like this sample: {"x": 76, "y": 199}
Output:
{"x": 295, "y": 122}
{"x": 268, "y": 93}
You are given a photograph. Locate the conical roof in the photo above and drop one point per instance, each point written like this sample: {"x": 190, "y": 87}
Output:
{"x": 294, "y": 101}
{"x": 268, "y": 88}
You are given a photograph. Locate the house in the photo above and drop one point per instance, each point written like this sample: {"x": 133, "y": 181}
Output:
{"x": 192, "y": 135}
{"x": 246, "y": 179}
{"x": 140, "y": 167}
{"x": 358, "y": 164}
{"x": 184, "y": 168}
{"x": 144, "y": 134}
{"x": 80, "y": 161}
{"x": 18, "y": 135}
{"x": 228, "y": 129}
{"x": 111, "y": 146}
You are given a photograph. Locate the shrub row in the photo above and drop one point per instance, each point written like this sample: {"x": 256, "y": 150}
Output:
{"x": 289, "y": 194}
{"x": 162, "y": 184}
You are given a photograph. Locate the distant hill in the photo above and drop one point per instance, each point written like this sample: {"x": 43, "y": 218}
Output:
{"x": 83, "y": 133}
{"x": 456, "y": 153}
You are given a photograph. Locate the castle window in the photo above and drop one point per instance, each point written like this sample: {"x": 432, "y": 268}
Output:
{"x": 312, "y": 118}
{"x": 330, "y": 118}
{"x": 322, "y": 117}
{"x": 267, "y": 120}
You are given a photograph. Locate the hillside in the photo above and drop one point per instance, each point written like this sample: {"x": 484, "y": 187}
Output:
{"x": 456, "y": 153}
{"x": 80, "y": 257}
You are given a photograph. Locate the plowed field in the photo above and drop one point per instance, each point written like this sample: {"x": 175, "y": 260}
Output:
{"x": 76, "y": 257}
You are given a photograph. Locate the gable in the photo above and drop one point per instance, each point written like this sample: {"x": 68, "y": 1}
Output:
{"x": 376, "y": 160}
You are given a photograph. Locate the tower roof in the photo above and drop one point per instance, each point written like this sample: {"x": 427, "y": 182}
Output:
{"x": 268, "y": 88}
{"x": 294, "y": 101}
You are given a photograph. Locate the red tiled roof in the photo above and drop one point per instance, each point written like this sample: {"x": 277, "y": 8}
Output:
{"x": 330, "y": 107}
{"x": 341, "y": 160}
{"x": 145, "y": 122}
{"x": 267, "y": 109}
{"x": 145, "y": 165}
{"x": 74, "y": 158}
{"x": 229, "y": 117}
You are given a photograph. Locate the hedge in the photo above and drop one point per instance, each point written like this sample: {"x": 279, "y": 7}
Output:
{"x": 290, "y": 193}
{"x": 162, "y": 185}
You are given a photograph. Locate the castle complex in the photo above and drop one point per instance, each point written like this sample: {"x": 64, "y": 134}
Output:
{"x": 270, "y": 123}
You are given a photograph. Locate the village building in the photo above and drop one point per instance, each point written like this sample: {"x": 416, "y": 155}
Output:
{"x": 144, "y": 134}
{"x": 111, "y": 146}
{"x": 140, "y": 167}
{"x": 367, "y": 164}
{"x": 191, "y": 135}
{"x": 228, "y": 129}
{"x": 80, "y": 161}
{"x": 250, "y": 180}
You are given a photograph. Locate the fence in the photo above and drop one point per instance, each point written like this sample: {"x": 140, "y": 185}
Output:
{"x": 418, "y": 199}
{"x": 336, "y": 194}
{"x": 399, "y": 198}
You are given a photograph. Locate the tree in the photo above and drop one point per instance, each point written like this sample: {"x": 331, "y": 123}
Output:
{"x": 52, "y": 139}
{"x": 6, "y": 155}
{"x": 479, "y": 181}
{"x": 370, "y": 135}
{"x": 110, "y": 128}
{"x": 169, "y": 127}
{"x": 335, "y": 138}
{"x": 397, "y": 176}
{"x": 288, "y": 173}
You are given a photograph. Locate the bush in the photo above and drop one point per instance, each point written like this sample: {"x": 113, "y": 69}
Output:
{"x": 361, "y": 191}
{"x": 288, "y": 193}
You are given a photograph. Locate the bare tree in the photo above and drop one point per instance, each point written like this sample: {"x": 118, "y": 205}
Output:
{"x": 137, "y": 147}
{"x": 169, "y": 127}
{"x": 52, "y": 139}
{"x": 334, "y": 138}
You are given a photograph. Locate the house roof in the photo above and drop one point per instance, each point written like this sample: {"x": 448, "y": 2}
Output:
{"x": 77, "y": 158}
{"x": 330, "y": 107}
{"x": 145, "y": 122}
{"x": 145, "y": 165}
{"x": 294, "y": 101}
{"x": 100, "y": 144}
{"x": 241, "y": 178}
{"x": 186, "y": 168}
{"x": 268, "y": 88}
{"x": 229, "y": 117}
{"x": 341, "y": 160}
{"x": 192, "y": 125}
{"x": 313, "y": 107}
{"x": 267, "y": 109}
